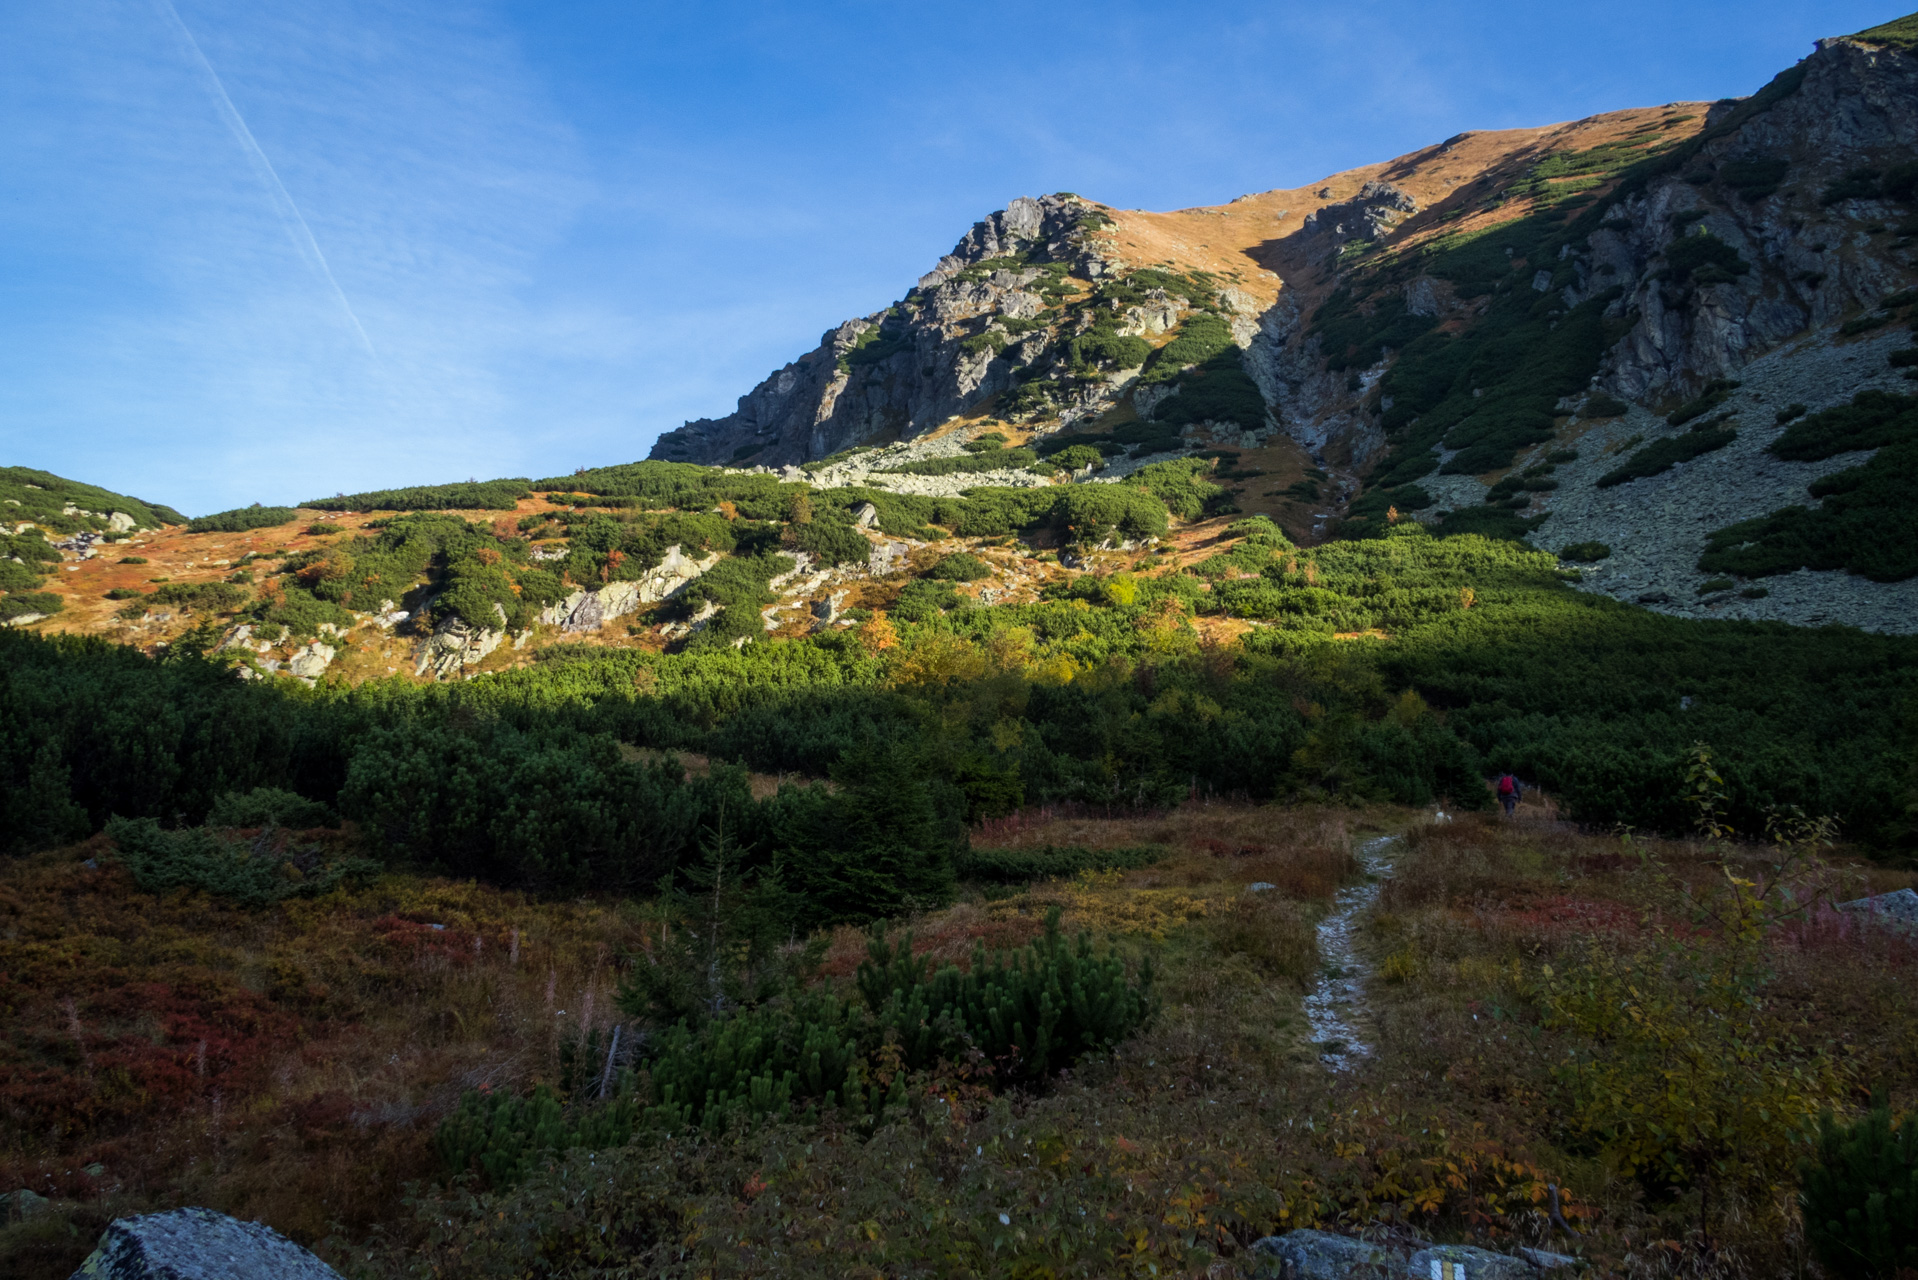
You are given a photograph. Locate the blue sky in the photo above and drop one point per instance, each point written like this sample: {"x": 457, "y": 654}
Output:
{"x": 266, "y": 252}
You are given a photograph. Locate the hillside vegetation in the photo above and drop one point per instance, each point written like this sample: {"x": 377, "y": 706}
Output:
{"x": 1015, "y": 843}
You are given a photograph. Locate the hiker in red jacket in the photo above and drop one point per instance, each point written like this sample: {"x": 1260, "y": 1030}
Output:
{"x": 1508, "y": 789}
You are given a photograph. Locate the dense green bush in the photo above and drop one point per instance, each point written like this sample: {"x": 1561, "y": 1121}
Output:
{"x": 1710, "y": 396}
{"x": 212, "y": 597}
{"x": 1178, "y": 486}
{"x": 884, "y": 840}
{"x": 18, "y": 604}
{"x": 1051, "y": 446}
{"x": 242, "y": 519}
{"x": 22, "y": 577}
{"x": 1031, "y": 1013}
{"x": 1585, "y": 552}
{"x": 299, "y": 611}
{"x": 1076, "y": 457}
{"x": 992, "y": 341}
{"x": 924, "y": 599}
{"x": 878, "y": 343}
{"x": 269, "y": 807}
{"x": 1867, "y": 523}
{"x": 829, "y": 542}
{"x": 962, "y": 464}
{"x": 1216, "y": 391}
{"x": 1663, "y": 455}
{"x": 1487, "y": 522}
{"x": 497, "y": 495}
{"x": 737, "y": 586}
{"x": 1197, "y": 341}
{"x": 501, "y": 1137}
{"x": 1106, "y": 349}
{"x": 960, "y": 566}
{"x": 254, "y": 874}
{"x": 42, "y": 497}
{"x": 1858, "y": 184}
{"x": 1860, "y": 1196}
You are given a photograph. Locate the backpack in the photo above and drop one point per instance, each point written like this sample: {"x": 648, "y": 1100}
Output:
{"x": 1507, "y": 785}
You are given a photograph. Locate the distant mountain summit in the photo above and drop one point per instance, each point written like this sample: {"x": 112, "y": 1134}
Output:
{"x": 1484, "y": 333}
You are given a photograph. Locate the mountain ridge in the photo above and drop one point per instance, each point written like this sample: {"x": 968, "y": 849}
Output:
{"x": 1678, "y": 245}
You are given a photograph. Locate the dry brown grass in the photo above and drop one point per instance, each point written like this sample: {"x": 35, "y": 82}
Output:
{"x": 1305, "y": 851}
{"x": 339, "y": 1030}
{"x": 1215, "y": 1108}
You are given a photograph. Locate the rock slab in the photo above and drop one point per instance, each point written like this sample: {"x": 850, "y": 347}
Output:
{"x": 1898, "y": 909}
{"x": 1320, "y": 1255}
{"x": 198, "y": 1244}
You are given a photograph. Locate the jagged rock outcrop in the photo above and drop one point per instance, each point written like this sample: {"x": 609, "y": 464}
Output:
{"x": 1375, "y": 210}
{"x": 454, "y": 645}
{"x": 899, "y": 373}
{"x": 198, "y": 1244}
{"x": 310, "y": 661}
{"x": 590, "y": 610}
{"x": 1854, "y": 106}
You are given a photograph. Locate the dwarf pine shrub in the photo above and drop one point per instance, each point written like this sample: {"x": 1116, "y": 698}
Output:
{"x": 1032, "y": 1012}
{"x": 501, "y": 1136}
{"x": 1859, "y": 1195}
{"x": 242, "y": 519}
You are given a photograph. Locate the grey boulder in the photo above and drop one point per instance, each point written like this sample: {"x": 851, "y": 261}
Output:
{"x": 1320, "y": 1255}
{"x": 21, "y": 1205}
{"x": 1468, "y": 1263}
{"x": 198, "y": 1244}
{"x": 1899, "y": 909}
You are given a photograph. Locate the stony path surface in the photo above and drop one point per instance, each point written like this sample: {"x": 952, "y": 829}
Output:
{"x": 1335, "y": 1008}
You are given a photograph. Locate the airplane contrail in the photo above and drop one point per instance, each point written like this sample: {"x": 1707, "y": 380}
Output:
{"x": 290, "y": 216}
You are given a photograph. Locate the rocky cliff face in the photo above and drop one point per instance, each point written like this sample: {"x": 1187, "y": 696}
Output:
{"x": 899, "y": 373}
{"x": 1848, "y": 107}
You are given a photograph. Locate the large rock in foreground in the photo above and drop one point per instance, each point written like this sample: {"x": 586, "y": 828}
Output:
{"x": 1320, "y": 1255}
{"x": 198, "y": 1244}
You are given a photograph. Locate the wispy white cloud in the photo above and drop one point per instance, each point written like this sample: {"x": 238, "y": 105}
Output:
{"x": 283, "y": 203}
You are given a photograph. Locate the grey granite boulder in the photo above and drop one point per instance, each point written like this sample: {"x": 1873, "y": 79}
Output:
{"x": 1899, "y": 909}
{"x": 198, "y": 1244}
{"x": 21, "y": 1205}
{"x": 1320, "y": 1255}
{"x": 1463, "y": 1262}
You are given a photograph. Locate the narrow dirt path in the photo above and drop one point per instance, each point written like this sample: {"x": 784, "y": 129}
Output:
{"x": 1335, "y": 1009}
